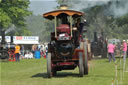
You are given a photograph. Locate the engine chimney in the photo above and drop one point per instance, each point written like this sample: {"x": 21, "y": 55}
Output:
{"x": 63, "y": 7}
{"x": 95, "y": 36}
{"x": 3, "y": 37}
{"x": 11, "y": 39}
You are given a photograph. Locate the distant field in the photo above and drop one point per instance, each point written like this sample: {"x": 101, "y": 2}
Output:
{"x": 33, "y": 72}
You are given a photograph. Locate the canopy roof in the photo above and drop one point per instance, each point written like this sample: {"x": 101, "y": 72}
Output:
{"x": 52, "y": 14}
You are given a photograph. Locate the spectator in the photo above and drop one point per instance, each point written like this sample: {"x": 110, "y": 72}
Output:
{"x": 119, "y": 48}
{"x": 38, "y": 47}
{"x": 29, "y": 55}
{"x": 114, "y": 48}
{"x": 41, "y": 50}
{"x": 124, "y": 50}
{"x": 17, "y": 51}
{"x": 33, "y": 48}
{"x": 22, "y": 51}
{"x": 111, "y": 49}
{"x": 46, "y": 51}
{"x": 127, "y": 47}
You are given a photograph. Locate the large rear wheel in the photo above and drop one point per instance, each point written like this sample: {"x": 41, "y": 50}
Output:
{"x": 85, "y": 60}
{"x": 49, "y": 67}
{"x": 81, "y": 67}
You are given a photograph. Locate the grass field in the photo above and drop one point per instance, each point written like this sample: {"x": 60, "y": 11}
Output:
{"x": 33, "y": 72}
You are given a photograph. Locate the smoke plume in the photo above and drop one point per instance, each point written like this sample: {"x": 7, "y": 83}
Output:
{"x": 11, "y": 28}
{"x": 116, "y": 8}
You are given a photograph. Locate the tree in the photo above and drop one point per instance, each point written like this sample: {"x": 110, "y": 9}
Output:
{"x": 39, "y": 26}
{"x": 13, "y": 12}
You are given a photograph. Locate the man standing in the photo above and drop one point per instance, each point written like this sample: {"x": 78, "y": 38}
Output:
{"x": 17, "y": 51}
{"x": 127, "y": 47}
{"x": 80, "y": 25}
{"x": 22, "y": 51}
{"x": 111, "y": 49}
{"x": 124, "y": 50}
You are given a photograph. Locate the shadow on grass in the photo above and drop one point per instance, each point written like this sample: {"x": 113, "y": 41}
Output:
{"x": 58, "y": 75}
{"x": 43, "y": 75}
{"x": 100, "y": 76}
{"x": 66, "y": 74}
{"x": 3, "y": 60}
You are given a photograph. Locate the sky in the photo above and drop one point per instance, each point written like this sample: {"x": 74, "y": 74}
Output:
{"x": 42, "y": 0}
{"x": 41, "y": 6}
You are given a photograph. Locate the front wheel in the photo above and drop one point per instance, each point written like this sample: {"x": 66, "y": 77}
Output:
{"x": 49, "y": 67}
{"x": 85, "y": 60}
{"x": 81, "y": 67}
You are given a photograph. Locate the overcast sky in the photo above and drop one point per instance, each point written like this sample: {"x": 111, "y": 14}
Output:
{"x": 42, "y": 0}
{"x": 42, "y": 6}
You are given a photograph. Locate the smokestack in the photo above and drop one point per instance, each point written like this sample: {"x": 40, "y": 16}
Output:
{"x": 3, "y": 37}
{"x": 11, "y": 39}
{"x": 63, "y": 7}
{"x": 95, "y": 36}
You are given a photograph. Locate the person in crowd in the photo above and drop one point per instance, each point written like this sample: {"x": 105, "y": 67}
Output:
{"x": 29, "y": 55}
{"x": 46, "y": 51}
{"x": 127, "y": 47}
{"x": 17, "y": 52}
{"x": 124, "y": 50}
{"x": 33, "y": 49}
{"x": 114, "y": 44}
{"x": 119, "y": 48}
{"x": 41, "y": 50}
{"x": 111, "y": 49}
{"x": 38, "y": 47}
{"x": 22, "y": 51}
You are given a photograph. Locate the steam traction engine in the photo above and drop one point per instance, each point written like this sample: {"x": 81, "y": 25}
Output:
{"x": 99, "y": 45}
{"x": 7, "y": 49}
{"x": 67, "y": 49}
{"x": 3, "y": 49}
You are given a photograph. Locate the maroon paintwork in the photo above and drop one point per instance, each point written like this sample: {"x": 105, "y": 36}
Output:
{"x": 63, "y": 28}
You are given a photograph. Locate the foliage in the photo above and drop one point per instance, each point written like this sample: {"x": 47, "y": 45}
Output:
{"x": 100, "y": 20}
{"x": 14, "y": 12}
{"x": 38, "y": 26}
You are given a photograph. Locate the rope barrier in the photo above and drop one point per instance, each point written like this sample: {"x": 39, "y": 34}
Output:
{"x": 122, "y": 71}
{"x": 125, "y": 68}
{"x": 115, "y": 80}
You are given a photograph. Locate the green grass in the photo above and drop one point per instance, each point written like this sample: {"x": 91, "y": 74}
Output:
{"x": 33, "y": 72}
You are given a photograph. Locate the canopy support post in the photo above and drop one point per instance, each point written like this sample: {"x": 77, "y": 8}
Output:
{"x": 55, "y": 27}
{"x": 71, "y": 24}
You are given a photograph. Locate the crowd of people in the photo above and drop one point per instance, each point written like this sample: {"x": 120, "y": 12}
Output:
{"x": 112, "y": 47}
{"x": 22, "y": 53}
